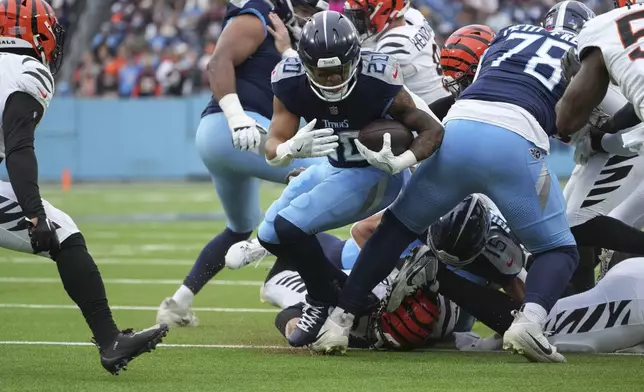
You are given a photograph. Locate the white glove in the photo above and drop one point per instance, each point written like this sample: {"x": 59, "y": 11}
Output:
{"x": 246, "y": 133}
{"x": 311, "y": 143}
{"x": 307, "y": 143}
{"x": 583, "y": 148}
{"x": 384, "y": 159}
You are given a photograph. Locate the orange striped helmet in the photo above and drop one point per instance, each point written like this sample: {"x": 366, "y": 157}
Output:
{"x": 374, "y": 16}
{"x": 461, "y": 54}
{"x": 27, "y": 25}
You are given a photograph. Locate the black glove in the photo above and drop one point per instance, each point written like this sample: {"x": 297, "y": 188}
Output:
{"x": 43, "y": 236}
{"x": 570, "y": 65}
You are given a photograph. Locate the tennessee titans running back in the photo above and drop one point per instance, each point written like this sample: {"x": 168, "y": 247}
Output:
{"x": 229, "y": 134}
{"x": 339, "y": 90}
{"x": 502, "y": 156}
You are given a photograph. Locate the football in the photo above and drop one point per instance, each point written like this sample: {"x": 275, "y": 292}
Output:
{"x": 371, "y": 135}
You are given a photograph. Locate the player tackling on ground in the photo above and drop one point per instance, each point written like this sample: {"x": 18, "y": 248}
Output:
{"x": 31, "y": 50}
{"x": 506, "y": 161}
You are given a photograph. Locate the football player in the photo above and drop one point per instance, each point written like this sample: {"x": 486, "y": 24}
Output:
{"x": 604, "y": 319}
{"x": 393, "y": 28}
{"x": 31, "y": 51}
{"x": 229, "y": 137}
{"x": 325, "y": 85}
{"x": 609, "y": 50}
{"x": 601, "y": 182}
{"x": 472, "y": 238}
{"x": 502, "y": 156}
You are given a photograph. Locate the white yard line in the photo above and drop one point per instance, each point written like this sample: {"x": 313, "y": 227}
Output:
{"x": 11, "y": 279}
{"x": 112, "y": 260}
{"x": 224, "y": 346}
{"x": 137, "y": 308}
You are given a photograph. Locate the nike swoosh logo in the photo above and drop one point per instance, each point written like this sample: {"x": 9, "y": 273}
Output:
{"x": 546, "y": 350}
{"x": 509, "y": 263}
{"x": 299, "y": 149}
{"x": 42, "y": 94}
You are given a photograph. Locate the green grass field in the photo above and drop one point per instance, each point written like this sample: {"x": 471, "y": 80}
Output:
{"x": 44, "y": 342}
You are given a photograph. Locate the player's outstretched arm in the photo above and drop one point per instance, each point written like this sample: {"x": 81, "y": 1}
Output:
{"x": 430, "y": 132}
{"x": 239, "y": 40}
{"x": 21, "y": 115}
{"x": 584, "y": 93}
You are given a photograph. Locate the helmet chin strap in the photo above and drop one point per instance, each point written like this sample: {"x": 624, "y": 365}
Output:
{"x": 40, "y": 50}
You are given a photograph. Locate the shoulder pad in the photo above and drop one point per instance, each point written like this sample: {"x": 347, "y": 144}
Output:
{"x": 35, "y": 79}
{"x": 288, "y": 68}
{"x": 382, "y": 67}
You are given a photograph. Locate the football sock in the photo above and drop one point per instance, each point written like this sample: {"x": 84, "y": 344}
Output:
{"x": 321, "y": 277}
{"x": 376, "y": 260}
{"x": 211, "y": 260}
{"x": 84, "y": 285}
{"x": 609, "y": 233}
{"x": 184, "y": 297}
{"x": 549, "y": 275}
{"x": 583, "y": 279}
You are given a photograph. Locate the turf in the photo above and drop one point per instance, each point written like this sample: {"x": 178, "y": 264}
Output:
{"x": 236, "y": 347}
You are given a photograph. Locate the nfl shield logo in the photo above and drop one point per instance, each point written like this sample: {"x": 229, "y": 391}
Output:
{"x": 333, "y": 110}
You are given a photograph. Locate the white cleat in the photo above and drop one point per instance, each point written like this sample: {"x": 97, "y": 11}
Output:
{"x": 333, "y": 337}
{"x": 173, "y": 315}
{"x": 526, "y": 338}
{"x": 245, "y": 252}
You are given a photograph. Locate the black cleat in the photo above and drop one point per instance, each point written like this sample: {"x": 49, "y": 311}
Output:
{"x": 313, "y": 317}
{"x": 128, "y": 345}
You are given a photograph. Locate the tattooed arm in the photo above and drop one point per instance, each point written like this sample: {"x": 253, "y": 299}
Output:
{"x": 429, "y": 129}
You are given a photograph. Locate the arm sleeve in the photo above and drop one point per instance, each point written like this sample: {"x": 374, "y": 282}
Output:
{"x": 625, "y": 117}
{"x": 21, "y": 115}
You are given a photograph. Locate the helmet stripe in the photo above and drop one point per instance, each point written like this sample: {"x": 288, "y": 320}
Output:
{"x": 561, "y": 14}
{"x": 17, "y": 5}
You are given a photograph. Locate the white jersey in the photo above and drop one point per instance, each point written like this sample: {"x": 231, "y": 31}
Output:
{"x": 604, "y": 319}
{"x": 618, "y": 34}
{"x": 415, "y": 48}
{"x": 25, "y": 74}
{"x": 606, "y": 181}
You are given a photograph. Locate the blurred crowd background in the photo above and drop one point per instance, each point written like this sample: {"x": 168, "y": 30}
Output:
{"x": 142, "y": 48}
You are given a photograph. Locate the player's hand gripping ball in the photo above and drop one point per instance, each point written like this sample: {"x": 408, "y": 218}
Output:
{"x": 371, "y": 136}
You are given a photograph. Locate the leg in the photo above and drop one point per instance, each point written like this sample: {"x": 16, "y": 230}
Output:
{"x": 529, "y": 196}
{"x": 235, "y": 175}
{"x": 82, "y": 282}
{"x": 430, "y": 194}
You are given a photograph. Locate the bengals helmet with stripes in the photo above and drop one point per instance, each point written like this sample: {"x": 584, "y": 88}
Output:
{"x": 412, "y": 324}
{"x": 374, "y": 16}
{"x": 461, "y": 54}
{"x": 31, "y": 25}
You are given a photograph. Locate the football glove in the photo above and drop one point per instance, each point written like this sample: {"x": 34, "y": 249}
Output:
{"x": 43, "y": 236}
{"x": 311, "y": 143}
{"x": 245, "y": 132}
{"x": 385, "y": 159}
{"x": 570, "y": 64}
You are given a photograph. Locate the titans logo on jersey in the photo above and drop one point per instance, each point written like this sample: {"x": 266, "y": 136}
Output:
{"x": 522, "y": 66}
{"x": 379, "y": 81}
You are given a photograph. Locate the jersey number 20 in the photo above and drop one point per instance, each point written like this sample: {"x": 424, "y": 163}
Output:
{"x": 540, "y": 57}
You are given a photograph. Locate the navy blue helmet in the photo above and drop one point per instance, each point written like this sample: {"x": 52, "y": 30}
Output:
{"x": 460, "y": 236}
{"x": 329, "y": 49}
{"x": 567, "y": 15}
